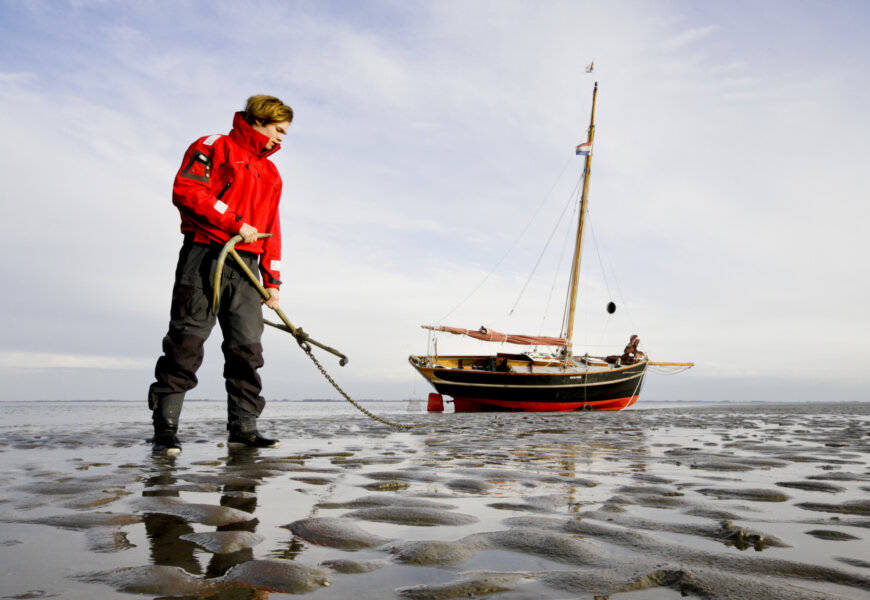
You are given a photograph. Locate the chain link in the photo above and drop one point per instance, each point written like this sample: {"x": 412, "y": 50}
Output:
{"x": 307, "y": 349}
{"x": 302, "y": 338}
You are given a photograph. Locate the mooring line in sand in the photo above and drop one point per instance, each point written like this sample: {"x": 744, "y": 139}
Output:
{"x": 307, "y": 350}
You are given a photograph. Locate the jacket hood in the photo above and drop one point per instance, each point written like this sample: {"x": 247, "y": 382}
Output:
{"x": 245, "y": 135}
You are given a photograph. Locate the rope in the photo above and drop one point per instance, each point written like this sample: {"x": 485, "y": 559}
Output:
{"x": 556, "y": 272}
{"x": 598, "y": 254}
{"x": 602, "y": 258}
{"x": 544, "y": 250}
{"x": 670, "y": 369}
{"x": 640, "y": 381}
{"x": 512, "y": 246}
{"x": 301, "y": 337}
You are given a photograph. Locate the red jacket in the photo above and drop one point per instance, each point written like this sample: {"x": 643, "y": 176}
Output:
{"x": 225, "y": 181}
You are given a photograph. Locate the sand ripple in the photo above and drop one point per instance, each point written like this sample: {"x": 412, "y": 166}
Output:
{"x": 714, "y": 502}
{"x": 336, "y": 533}
{"x": 405, "y": 515}
{"x": 156, "y": 580}
{"x": 278, "y": 576}
{"x": 223, "y": 542}
{"x": 206, "y": 514}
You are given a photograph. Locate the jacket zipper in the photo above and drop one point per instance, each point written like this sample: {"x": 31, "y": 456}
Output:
{"x": 224, "y": 191}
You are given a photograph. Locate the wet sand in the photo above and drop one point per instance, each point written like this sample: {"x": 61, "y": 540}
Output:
{"x": 720, "y": 501}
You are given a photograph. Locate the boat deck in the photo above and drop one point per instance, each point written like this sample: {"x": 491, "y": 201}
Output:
{"x": 513, "y": 363}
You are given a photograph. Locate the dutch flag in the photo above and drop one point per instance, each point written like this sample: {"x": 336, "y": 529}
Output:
{"x": 584, "y": 149}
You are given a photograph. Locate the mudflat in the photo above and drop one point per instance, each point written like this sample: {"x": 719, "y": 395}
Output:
{"x": 720, "y": 501}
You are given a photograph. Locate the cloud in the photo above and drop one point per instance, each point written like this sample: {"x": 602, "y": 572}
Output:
{"x": 690, "y": 36}
{"x": 726, "y": 195}
{"x": 41, "y": 361}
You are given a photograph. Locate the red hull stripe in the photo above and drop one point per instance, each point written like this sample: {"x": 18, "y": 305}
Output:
{"x": 486, "y": 405}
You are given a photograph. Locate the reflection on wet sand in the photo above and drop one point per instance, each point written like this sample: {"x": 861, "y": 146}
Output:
{"x": 165, "y": 531}
{"x": 175, "y": 543}
{"x": 713, "y": 502}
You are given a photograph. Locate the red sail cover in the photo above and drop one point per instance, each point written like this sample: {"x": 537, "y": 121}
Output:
{"x": 488, "y": 335}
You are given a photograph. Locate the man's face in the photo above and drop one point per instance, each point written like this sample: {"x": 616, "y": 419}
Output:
{"x": 274, "y": 131}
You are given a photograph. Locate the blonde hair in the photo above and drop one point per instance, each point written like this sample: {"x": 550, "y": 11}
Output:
{"x": 265, "y": 109}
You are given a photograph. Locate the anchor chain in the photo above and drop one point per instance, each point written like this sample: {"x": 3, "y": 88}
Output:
{"x": 307, "y": 349}
{"x": 302, "y": 338}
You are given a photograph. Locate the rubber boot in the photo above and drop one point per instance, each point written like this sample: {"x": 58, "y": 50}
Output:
{"x": 165, "y": 418}
{"x": 244, "y": 434}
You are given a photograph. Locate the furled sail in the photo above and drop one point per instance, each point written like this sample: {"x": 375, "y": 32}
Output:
{"x": 488, "y": 335}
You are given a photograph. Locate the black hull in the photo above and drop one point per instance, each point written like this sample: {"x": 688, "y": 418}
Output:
{"x": 481, "y": 390}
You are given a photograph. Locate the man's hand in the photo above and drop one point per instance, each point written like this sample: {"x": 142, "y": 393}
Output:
{"x": 248, "y": 233}
{"x": 272, "y": 302}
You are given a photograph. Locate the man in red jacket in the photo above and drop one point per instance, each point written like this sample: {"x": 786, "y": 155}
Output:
{"x": 226, "y": 186}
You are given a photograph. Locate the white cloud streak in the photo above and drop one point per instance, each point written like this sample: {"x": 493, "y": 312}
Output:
{"x": 691, "y": 36}
{"x": 42, "y": 361}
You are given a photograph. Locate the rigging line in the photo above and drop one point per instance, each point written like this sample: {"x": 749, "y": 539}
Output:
{"x": 604, "y": 275}
{"x": 598, "y": 254}
{"x": 556, "y": 273}
{"x": 547, "y": 245}
{"x": 512, "y": 246}
{"x": 668, "y": 371}
{"x": 602, "y": 256}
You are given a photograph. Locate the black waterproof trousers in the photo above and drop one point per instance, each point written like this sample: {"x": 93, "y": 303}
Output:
{"x": 191, "y": 320}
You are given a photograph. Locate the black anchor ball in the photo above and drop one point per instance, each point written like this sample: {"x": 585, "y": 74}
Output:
{"x": 611, "y": 308}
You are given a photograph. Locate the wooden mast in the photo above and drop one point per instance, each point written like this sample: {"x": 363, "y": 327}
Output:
{"x": 575, "y": 268}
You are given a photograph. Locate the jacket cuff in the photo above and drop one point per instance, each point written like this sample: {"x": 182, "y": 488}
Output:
{"x": 268, "y": 280}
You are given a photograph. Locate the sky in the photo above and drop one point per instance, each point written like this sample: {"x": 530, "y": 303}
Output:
{"x": 428, "y": 163}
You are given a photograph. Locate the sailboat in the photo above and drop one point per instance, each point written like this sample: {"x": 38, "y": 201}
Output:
{"x": 536, "y": 381}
